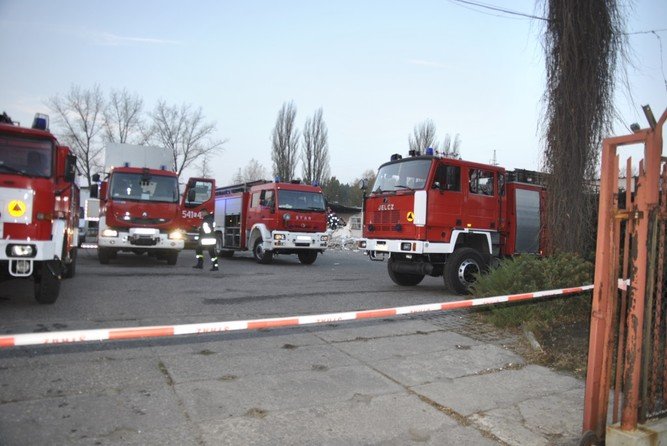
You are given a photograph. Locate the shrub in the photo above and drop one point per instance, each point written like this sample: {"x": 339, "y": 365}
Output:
{"x": 527, "y": 273}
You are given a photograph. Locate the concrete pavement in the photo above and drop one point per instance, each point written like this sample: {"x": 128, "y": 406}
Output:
{"x": 389, "y": 382}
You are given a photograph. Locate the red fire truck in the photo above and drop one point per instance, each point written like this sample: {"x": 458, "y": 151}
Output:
{"x": 270, "y": 218}
{"x": 139, "y": 204}
{"x": 447, "y": 217}
{"x": 39, "y": 207}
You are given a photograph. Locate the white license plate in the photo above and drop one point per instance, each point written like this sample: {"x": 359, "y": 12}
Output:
{"x": 145, "y": 231}
{"x": 303, "y": 238}
{"x": 379, "y": 247}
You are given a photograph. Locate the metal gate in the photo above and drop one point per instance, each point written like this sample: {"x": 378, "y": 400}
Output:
{"x": 627, "y": 356}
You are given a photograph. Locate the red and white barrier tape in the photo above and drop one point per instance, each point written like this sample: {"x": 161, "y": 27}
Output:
{"x": 71, "y": 337}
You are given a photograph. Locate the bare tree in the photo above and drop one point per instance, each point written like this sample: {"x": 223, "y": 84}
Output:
{"x": 79, "y": 117}
{"x": 582, "y": 43}
{"x": 252, "y": 172}
{"x": 450, "y": 149}
{"x": 184, "y": 131}
{"x": 285, "y": 143}
{"x": 423, "y": 136}
{"x": 204, "y": 168}
{"x": 122, "y": 118}
{"x": 315, "y": 154}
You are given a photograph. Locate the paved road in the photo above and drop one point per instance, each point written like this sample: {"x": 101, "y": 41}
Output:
{"x": 434, "y": 379}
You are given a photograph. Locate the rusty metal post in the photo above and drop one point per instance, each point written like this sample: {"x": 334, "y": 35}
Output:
{"x": 599, "y": 355}
{"x": 605, "y": 296}
{"x": 620, "y": 357}
{"x": 646, "y": 203}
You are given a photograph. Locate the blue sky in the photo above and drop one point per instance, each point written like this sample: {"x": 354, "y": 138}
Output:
{"x": 377, "y": 68}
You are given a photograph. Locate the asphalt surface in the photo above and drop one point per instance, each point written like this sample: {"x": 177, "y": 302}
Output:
{"x": 434, "y": 379}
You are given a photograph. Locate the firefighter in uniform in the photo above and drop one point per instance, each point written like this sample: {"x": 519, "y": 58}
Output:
{"x": 206, "y": 239}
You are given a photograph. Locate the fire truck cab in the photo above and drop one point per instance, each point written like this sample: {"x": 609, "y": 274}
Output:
{"x": 39, "y": 207}
{"x": 447, "y": 217}
{"x": 139, "y": 204}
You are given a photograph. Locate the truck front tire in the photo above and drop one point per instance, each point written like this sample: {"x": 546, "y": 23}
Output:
{"x": 403, "y": 279}
{"x": 172, "y": 257}
{"x": 260, "y": 255}
{"x": 461, "y": 268}
{"x": 307, "y": 257}
{"x": 47, "y": 286}
{"x": 104, "y": 255}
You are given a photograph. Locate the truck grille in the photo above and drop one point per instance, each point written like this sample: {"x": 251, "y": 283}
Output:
{"x": 149, "y": 221}
{"x": 385, "y": 220}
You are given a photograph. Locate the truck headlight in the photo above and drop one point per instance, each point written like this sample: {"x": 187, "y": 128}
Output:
{"x": 176, "y": 235}
{"x": 21, "y": 251}
{"x": 324, "y": 238}
{"x": 109, "y": 233}
{"x": 278, "y": 236}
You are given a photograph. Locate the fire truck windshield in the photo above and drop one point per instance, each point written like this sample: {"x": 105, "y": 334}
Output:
{"x": 140, "y": 187}
{"x": 297, "y": 200}
{"x": 26, "y": 156}
{"x": 405, "y": 174}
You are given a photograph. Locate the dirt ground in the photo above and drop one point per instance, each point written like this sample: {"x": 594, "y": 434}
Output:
{"x": 564, "y": 348}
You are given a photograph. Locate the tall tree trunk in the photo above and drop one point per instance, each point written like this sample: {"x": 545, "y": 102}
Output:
{"x": 582, "y": 45}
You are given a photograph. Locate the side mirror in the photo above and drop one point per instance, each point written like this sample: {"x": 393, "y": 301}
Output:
{"x": 191, "y": 195}
{"x": 439, "y": 185}
{"x": 103, "y": 191}
{"x": 70, "y": 168}
{"x": 96, "y": 177}
{"x": 363, "y": 184}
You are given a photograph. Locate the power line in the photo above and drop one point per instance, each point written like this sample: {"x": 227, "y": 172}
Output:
{"x": 650, "y": 31}
{"x": 662, "y": 63}
{"x": 499, "y": 9}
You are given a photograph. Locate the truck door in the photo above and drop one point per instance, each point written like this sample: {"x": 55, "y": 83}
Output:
{"x": 445, "y": 201}
{"x": 198, "y": 195}
{"x": 482, "y": 210}
{"x": 262, "y": 209}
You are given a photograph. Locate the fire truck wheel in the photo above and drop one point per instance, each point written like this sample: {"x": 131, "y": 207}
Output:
{"x": 47, "y": 286}
{"x": 104, "y": 255}
{"x": 70, "y": 268}
{"x": 307, "y": 257}
{"x": 260, "y": 255}
{"x": 172, "y": 257}
{"x": 226, "y": 253}
{"x": 460, "y": 269}
{"x": 403, "y": 279}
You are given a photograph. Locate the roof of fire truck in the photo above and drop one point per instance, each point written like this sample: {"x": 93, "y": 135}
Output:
{"x": 450, "y": 161}
{"x": 39, "y": 129}
{"x": 265, "y": 184}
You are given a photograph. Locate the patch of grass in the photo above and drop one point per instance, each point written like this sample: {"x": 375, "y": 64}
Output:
{"x": 527, "y": 273}
{"x": 560, "y": 324}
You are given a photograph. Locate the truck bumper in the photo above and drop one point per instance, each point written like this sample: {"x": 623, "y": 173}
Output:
{"x": 385, "y": 246}
{"x": 22, "y": 266}
{"x": 294, "y": 241}
{"x": 137, "y": 240}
